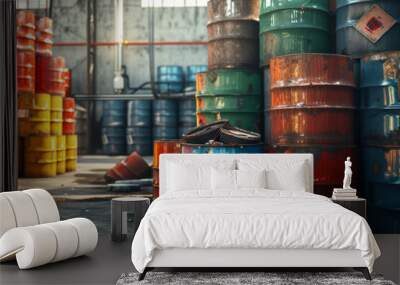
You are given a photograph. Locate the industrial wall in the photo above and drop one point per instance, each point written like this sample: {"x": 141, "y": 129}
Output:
{"x": 175, "y": 31}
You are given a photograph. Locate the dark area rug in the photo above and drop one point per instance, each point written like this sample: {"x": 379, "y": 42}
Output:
{"x": 236, "y": 278}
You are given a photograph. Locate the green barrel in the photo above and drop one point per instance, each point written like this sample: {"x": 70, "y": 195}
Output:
{"x": 293, "y": 26}
{"x": 244, "y": 103}
{"x": 251, "y": 121}
{"x": 232, "y": 81}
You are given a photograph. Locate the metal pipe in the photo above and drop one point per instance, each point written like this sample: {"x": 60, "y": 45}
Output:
{"x": 118, "y": 82}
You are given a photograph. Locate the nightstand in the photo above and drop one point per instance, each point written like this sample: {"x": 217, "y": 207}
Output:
{"x": 358, "y": 206}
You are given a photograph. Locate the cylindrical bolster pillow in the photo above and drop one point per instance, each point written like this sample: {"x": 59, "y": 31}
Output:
{"x": 45, "y": 205}
{"x": 7, "y": 218}
{"x": 87, "y": 234}
{"x": 23, "y": 208}
{"x": 41, "y": 244}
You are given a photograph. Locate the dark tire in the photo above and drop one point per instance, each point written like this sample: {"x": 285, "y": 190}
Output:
{"x": 233, "y": 135}
{"x": 204, "y": 134}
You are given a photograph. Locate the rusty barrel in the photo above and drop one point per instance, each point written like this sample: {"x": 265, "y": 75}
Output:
{"x": 312, "y": 100}
{"x": 162, "y": 147}
{"x": 232, "y": 33}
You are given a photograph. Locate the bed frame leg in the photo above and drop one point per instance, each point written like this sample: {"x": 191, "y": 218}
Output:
{"x": 365, "y": 272}
{"x": 143, "y": 274}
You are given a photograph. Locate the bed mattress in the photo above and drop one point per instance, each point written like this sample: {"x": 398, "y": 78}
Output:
{"x": 250, "y": 219}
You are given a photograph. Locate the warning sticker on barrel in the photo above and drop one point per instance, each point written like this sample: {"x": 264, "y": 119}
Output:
{"x": 375, "y": 23}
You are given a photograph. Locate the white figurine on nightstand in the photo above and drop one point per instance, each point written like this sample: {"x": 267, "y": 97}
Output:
{"x": 345, "y": 193}
{"x": 347, "y": 174}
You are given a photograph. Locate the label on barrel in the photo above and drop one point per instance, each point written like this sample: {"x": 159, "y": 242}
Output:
{"x": 375, "y": 23}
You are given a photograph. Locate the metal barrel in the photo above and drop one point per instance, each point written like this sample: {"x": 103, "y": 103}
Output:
{"x": 230, "y": 81}
{"x": 191, "y": 72}
{"x": 380, "y": 134}
{"x": 139, "y": 113}
{"x": 165, "y": 119}
{"x": 292, "y": 27}
{"x": 170, "y": 78}
{"x": 114, "y": 140}
{"x": 217, "y": 149}
{"x": 350, "y": 41}
{"x": 139, "y": 139}
{"x": 232, "y": 33}
{"x": 40, "y": 156}
{"x": 187, "y": 113}
{"x": 312, "y": 100}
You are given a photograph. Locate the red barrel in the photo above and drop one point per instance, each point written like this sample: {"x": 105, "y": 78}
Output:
{"x": 49, "y": 74}
{"x": 67, "y": 81}
{"x": 311, "y": 109}
{"x": 26, "y": 71}
{"x": 312, "y": 100}
{"x": 133, "y": 167}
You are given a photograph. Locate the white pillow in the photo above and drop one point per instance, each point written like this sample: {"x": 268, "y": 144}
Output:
{"x": 187, "y": 177}
{"x": 223, "y": 179}
{"x": 291, "y": 178}
{"x": 190, "y": 176}
{"x": 280, "y": 174}
{"x": 251, "y": 178}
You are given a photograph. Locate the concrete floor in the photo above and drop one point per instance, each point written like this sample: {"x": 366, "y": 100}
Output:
{"x": 103, "y": 266}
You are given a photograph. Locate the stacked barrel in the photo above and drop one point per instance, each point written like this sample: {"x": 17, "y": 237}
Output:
{"x": 165, "y": 119}
{"x": 380, "y": 137}
{"x": 114, "y": 127}
{"x": 311, "y": 108}
{"x": 191, "y": 71}
{"x": 44, "y": 36}
{"x": 139, "y": 131}
{"x": 170, "y": 79}
{"x": 187, "y": 115}
{"x": 69, "y": 130}
{"x": 232, "y": 85}
{"x": 369, "y": 32}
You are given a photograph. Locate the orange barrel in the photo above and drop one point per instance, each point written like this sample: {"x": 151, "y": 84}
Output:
{"x": 69, "y": 109}
{"x": 61, "y": 154}
{"x": 312, "y": 100}
{"x": 39, "y": 114}
{"x": 44, "y": 36}
{"x": 200, "y": 82}
{"x": 71, "y": 152}
{"x": 26, "y": 19}
{"x": 25, "y": 71}
{"x": 67, "y": 81}
{"x": 163, "y": 147}
{"x": 25, "y": 30}
{"x": 40, "y": 156}
{"x": 156, "y": 191}
{"x": 56, "y": 75}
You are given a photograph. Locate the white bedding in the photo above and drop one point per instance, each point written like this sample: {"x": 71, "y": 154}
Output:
{"x": 250, "y": 219}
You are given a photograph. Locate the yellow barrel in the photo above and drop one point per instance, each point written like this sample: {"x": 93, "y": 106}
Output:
{"x": 39, "y": 128}
{"x": 72, "y": 153}
{"x": 24, "y": 127}
{"x": 56, "y": 128}
{"x": 41, "y": 101}
{"x": 72, "y": 141}
{"x": 39, "y": 115}
{"x": 40, "y": 156}
{"x": 61, "y": 154}
{"x": 71, "y": 165}
{"x": 56, "y": 116}
{"x": 56, "y": 103}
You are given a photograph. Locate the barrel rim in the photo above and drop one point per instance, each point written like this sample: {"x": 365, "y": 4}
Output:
{"x": 253, "y": 21}
{"x": 312, "y": 54}
{"x": 343, "y": 3}
{"x": 377, "y": 56}
{"x": 223, "y": 145}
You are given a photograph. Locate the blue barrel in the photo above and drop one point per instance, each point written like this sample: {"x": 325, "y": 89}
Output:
{"x": 191, "y": 72}
{"x": 380, "y": 135}
{"x": 225, "y": 149}
{"x": 114, "y": 140}
{"x": 187, "y": 112}
{"x": 170, "y": 78}
{"x": 352, "y": 42}
{"x": 114, "y": 114}
{"x": 140, "y": 113}
{"x": 165, "y": 113}
{"x": 165, "y": 133}
{"x": 139, "y": 139}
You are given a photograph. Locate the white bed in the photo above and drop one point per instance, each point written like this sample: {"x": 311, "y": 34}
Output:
{"x": 248, "y": 227}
